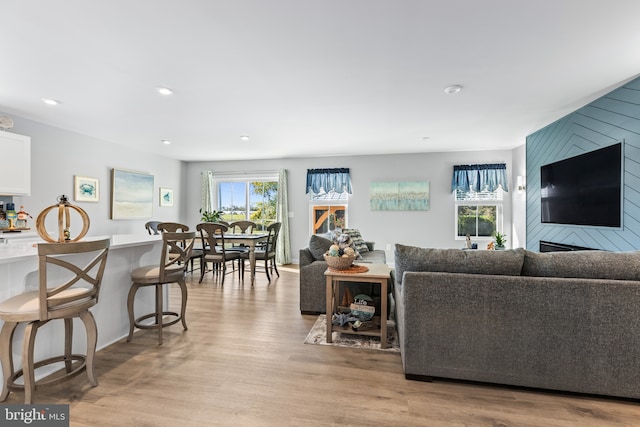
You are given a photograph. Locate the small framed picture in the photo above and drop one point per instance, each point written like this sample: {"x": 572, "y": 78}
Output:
{"x": 166, "y": 196}
{"x": 86, "y": 189}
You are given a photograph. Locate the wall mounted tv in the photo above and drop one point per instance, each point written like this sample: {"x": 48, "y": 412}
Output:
{"x": 584, "y": 190}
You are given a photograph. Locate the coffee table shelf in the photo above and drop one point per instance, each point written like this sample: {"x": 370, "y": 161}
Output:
{"x": 377, "y": 273}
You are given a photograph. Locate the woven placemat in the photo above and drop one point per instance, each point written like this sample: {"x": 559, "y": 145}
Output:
{"x": 354, "y": 269}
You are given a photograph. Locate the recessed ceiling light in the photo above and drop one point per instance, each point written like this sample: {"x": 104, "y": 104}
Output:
{"x": 425, "y": 138}
{"x": 166, "y": 142}
{"x": 164, "y": 90}
{"x": 50, "y": 101}
{"x": 245, "y": 138}
{"x": 453, "y": 89}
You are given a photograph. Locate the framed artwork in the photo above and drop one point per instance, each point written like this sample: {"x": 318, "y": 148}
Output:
{"x": 131, "y": 194}
{"x": 399, "y": 196}
{"x": 166, "y": 196}
{"x": 86, "y": 189}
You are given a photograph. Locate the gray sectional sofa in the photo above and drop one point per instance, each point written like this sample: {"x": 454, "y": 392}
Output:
{"x": 566, "y": 321}
{"x": 313, "y": 266}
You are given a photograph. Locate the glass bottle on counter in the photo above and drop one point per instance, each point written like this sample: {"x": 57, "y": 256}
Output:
{"x": 11, "y": 215}
{"x": 22, "y": 218}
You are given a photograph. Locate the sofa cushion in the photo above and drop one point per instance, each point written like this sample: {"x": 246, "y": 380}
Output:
{"x": 583, "y": 264}
{"x": 410, "y": 258}
{"x": 358, "y": 241}
{"x": 318, "y": 246}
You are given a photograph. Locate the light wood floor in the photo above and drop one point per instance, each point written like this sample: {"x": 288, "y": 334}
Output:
{"x": 243, "y": 363}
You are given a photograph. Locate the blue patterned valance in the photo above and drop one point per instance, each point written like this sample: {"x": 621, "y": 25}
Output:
{"x": 336, "y": 179}
{"x": 479, "y": 177}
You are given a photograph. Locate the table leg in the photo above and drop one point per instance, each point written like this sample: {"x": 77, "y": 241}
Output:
{"x": 252, "y": 261}
{"x": 329, "y": 311}
{"x": 383, "y": 313}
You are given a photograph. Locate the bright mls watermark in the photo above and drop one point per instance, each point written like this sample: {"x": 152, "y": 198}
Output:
{"x": 34, "y": 415}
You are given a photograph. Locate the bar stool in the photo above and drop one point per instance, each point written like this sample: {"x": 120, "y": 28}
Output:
{"x": 176, "y": 250}
{"x": 73, "y": 297}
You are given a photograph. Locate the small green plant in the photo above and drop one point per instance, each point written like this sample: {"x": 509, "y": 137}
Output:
{"x": 211, "y": 216}
{"x": 499, "y": 238}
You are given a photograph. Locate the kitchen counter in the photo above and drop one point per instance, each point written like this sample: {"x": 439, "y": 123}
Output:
{"x": 19, "y": 273}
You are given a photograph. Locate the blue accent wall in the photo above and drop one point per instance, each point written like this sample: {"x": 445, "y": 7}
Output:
{"x": 612, "y": 118}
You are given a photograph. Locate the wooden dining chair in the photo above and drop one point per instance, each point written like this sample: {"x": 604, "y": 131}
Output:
{"x": 68, "y": 288}
{"x": 176, "y": 250}
{"x": 215, "y": 252}
{"x": 152, "y": 227}
{"x": 176, "y": 227}
{"x": 267, "y": 252}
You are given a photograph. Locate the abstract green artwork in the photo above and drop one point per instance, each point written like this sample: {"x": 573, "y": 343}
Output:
{"x": 399, "y": 196}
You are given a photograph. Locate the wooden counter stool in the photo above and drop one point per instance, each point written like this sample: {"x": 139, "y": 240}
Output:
{"x": 56, "y": 298}
{"x": 176, "y": 250}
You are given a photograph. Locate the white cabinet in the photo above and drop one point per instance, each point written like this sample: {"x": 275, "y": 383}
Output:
{"x": 15, "y": 168}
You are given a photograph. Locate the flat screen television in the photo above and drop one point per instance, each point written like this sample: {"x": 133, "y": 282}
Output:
{"x": 584, "y": 190}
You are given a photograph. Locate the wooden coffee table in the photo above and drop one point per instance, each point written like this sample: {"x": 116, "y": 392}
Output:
{"x": 377, "y": 273}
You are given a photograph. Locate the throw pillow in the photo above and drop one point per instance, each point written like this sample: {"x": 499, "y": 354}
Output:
{"x": 358, "y": 241}
{"x": 318, "y": 246}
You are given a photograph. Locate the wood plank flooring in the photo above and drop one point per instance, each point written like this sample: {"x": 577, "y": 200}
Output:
{"x": 243, "y": 363}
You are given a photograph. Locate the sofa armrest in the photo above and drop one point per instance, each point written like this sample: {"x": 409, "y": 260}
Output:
{"x": 306, "y": 258}
{"x": 370, "y": 245}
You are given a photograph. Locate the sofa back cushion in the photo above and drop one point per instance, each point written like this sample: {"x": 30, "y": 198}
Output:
{"x": 583, "y": 264}
{"x": 411, "y": 258}
{"x": 318, "y": 246}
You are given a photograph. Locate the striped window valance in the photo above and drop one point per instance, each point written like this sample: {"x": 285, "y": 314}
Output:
{"x": 485, "y": 177}
{"x": 335, "y": 179}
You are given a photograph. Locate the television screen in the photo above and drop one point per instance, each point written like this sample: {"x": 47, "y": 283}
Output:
{"x": 584, "y": 190}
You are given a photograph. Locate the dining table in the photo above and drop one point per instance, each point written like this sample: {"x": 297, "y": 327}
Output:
{"x": 250, "y": 241}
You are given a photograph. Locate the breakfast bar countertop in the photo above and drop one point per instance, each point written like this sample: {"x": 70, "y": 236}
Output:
{"x": 23, "y": 248}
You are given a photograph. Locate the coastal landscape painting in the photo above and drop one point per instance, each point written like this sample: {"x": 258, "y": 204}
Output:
{"x": 131, "y": 194}
{"x": 399, "y": 196}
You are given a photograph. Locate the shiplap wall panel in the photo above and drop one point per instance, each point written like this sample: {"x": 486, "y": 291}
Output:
{"x": 612, "y": 118}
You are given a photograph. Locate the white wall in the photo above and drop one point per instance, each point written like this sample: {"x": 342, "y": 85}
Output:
{"x": 519, "y": 198}
{"x": 57, "y": 155}
{"x": 433, "y": 228}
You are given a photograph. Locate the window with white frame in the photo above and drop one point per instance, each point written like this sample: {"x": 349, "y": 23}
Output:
{"x": 478, "y": 214}
{"x": 248, "y": 198}
{"x": 478, "y": 191}
{"x": 328, "y": 211}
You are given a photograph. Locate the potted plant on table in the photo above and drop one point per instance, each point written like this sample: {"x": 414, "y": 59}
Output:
{"x": 500, "y": 239}
{"x": 211, "y": 216}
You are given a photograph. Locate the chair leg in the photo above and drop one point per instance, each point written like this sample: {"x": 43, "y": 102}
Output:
{"x": 275, "y": 266}
{"x": 183, "y": 308}
{"x": 130, "y": 298}
{"x": 92, "y": 341}
{"x": 159, "y": 312}
{"x": 203, "y": 265}
{"x": 266, "y": 268}
{"x": 68, "y": 343}
{"x": 6, "y": 355}
{"x": 28, "y": 373}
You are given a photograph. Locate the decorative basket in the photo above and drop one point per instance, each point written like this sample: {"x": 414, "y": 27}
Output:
{"x": 339, "y": 262}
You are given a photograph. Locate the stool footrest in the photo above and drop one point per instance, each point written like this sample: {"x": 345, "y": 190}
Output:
{"x": 164, "y": 324}
{"x": 76, "y": 369}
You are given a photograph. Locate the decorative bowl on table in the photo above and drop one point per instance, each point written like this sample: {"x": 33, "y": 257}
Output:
{"x": 339, "y": 262}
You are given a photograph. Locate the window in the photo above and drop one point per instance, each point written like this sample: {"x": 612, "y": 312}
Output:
{"x": 478, "y": 214}
{"x": 328, "y": 211}
{"x": 248, "y": 199}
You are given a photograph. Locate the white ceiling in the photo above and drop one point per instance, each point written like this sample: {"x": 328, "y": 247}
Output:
{"x": 311, "y": 77}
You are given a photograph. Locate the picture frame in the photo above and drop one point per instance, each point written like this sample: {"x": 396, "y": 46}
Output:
{"x": 131, "y": 194}
{"x": 399, "y": 196}
{"x": 166, "y": 196}
{"x": 86, "y": 189}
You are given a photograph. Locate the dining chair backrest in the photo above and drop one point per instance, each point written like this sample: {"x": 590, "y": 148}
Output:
{"x": 242, "y": 227}
{"x": 176, "y": 252}
{"x": 172, "y": 227}
{"x": 212, "y": 237}
{"x": 79, "y": 287}
{"x": 152, "y": 227}
{"x": 272, "y": 239}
